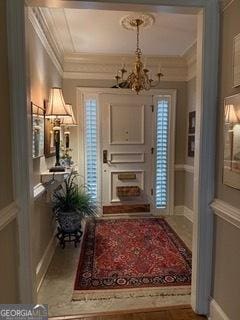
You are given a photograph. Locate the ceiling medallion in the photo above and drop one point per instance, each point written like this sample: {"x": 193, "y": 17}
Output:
{"x": 128, "y": 22}
{"x": 138, "y": 79}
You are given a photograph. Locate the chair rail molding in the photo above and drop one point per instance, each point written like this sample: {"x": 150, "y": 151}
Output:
{"x": 38, "y": 190}
{"x": 184, "y": 167}
{"x": 8, "y": 214}
{"x": 216, "y": 312}
{"x": 227, "y": 212}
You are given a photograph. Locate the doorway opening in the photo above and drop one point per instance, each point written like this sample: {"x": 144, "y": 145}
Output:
{"x": 196, "y": 284}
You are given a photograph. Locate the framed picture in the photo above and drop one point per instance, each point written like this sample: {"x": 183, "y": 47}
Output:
{"x": 231, "y": 167}
{"x": 191, "y": 146}
{"x": 37, "y": 130}
{"x": 236, "y": 61}
{"x": 49, "y": 146}
{"x": 191, "y": 122}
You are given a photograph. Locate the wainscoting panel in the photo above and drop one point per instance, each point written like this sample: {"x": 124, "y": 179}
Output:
{"x": 127, "y": 157}
{"x": 116, "y": 182}
{"x": 126, "y": 124}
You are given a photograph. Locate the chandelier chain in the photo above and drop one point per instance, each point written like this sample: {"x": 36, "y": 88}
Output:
{"x": 138, "y": 50}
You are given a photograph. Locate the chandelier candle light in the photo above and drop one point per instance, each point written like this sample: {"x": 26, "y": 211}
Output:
{"x": 139, "y": 79}
{"x": 68, "y": 122}
{"x": 57, "y": 110}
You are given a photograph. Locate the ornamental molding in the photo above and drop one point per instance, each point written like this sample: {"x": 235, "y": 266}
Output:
{"x": 104, "y": 67}
{"x": 147, "y": 20}
{"x": 41, "y": 28}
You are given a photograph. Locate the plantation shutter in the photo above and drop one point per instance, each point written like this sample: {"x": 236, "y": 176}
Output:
{"x": 162, "y": 123}
{"x": 91, "y": 146}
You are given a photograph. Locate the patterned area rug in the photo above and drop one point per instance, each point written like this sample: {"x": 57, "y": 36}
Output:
{"x": 131, "y": 256}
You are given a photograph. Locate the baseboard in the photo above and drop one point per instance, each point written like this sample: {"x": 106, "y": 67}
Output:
{"x": 185, "y": 211}
{"x": 216, "y": 312}
{"x": 45, "y": 261}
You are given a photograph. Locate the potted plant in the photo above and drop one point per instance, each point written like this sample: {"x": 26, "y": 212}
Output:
{"x": 72, "y": 203}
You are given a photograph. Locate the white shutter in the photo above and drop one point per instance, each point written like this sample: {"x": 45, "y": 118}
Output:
{"x": 91, "y": 146}
{"x": 162, "y": 123}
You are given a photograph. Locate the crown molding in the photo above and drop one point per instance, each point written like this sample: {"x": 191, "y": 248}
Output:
{"x": 40, "y": 26}
{"x": 105, "y": 66}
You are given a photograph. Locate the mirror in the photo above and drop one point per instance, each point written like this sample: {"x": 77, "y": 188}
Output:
{"x": 37, "y": 131}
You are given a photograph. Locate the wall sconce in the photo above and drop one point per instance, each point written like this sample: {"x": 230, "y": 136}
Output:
{"x": 66, "y": 123}
{"x": 56, "y": 110}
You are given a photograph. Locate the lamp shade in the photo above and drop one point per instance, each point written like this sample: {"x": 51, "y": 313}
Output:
{"x": 231, "y": 114}
{"x": 56, "y": 105}
{"x": 69, "y": 121}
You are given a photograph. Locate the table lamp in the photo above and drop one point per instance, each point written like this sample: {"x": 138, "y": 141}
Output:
{"x": 56, "y": 110}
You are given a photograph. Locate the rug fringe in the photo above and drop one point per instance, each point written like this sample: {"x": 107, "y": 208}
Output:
{"x": 131, "y": 293}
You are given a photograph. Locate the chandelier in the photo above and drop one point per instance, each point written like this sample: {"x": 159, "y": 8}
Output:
{"x": 139, "y": 78}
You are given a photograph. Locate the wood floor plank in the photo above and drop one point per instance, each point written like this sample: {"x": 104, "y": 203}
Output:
{"x": 175, "y": 314}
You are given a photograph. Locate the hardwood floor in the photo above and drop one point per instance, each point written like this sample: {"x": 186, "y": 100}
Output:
{"x": 171, "y": 314}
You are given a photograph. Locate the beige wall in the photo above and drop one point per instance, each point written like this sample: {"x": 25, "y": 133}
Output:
{"x": 226, "y": 285}
{"x": 230, "y": 28}
{"x": 9, "y": 292}
{"x": 69, "y": 89}
{"x": 191, "y": 106}
{"x": 6, "y": 186}
{"x": 43, "y": 75}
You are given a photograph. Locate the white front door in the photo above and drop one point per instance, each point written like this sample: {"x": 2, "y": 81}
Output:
{"x": 126, "y": 144}
{"x": 129, "y": 149}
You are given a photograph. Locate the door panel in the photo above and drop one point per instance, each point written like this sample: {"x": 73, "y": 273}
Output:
{"x": 126, "y": 145}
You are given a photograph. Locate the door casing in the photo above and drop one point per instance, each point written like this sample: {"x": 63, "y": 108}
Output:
{"x": 84, "y": 93}
{"x": 204, "y": 180}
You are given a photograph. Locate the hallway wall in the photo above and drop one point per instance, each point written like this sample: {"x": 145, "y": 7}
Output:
{"x": 9, "y": 292}
{"x": 191, "y": 106}
{"x": 226, "y": 285}
{"x": 42, "y": 75}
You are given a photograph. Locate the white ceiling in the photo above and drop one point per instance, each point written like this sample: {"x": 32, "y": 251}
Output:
{"x": 99, "y": 32}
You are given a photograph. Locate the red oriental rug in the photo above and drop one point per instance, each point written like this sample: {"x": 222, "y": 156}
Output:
{"x": 131, "y": 254}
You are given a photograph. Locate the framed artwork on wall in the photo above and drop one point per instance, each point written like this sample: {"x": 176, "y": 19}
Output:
{"x": 231, "y": 166}
{"x": 191, "y": 146}
{"x": 191, "y": 122}
{"x": 236, "y": 61}
{"x": 38, "y": 116}
{"x": 49, "y": 146}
